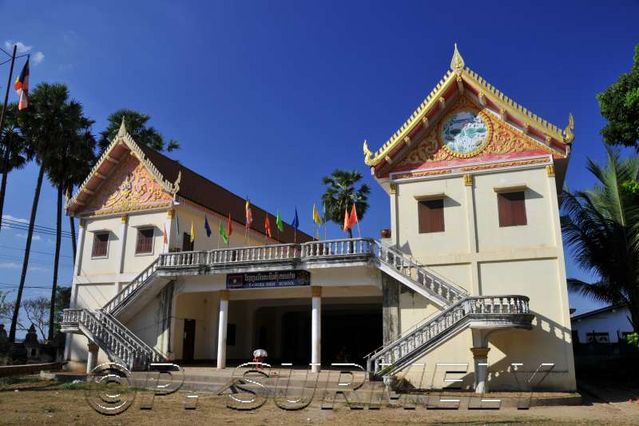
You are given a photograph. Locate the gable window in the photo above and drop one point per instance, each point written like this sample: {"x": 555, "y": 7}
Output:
{"x": 431, "y": 215}
{"x": 187, "y": 244}
{"x": 100, "y": 244}
{"x": 145, "y": 241}
{"x": 512, "y": 208}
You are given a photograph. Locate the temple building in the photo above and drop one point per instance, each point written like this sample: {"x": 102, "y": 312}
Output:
{"x": 471, "y": 273}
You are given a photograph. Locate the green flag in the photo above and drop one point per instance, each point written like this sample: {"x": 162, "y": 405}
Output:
{"x": 225, "y": 237}
{"x": 278, "y": 222}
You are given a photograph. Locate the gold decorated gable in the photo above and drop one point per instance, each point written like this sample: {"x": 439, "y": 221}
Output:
{"x": 503, "y": 142}
{"x": 130, "y": 188}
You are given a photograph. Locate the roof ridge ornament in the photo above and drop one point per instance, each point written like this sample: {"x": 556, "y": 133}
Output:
{"x": 122, "y": 131}
{"x": 367, "y": 153}
{"x": 457, "y": 62}
{"x": 569, "y": 135}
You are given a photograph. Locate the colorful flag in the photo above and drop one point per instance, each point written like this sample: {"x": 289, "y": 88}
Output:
{"x": 267, "y": 226}
{"x": 346, "y": 226}
{"x": 165, "y": 238}
{"x": 22, "y": 86}
{"x": 296, "y": 220}
{"x": 249, "y": 214}
{"x": 207, "y": 228}
{"x": 278, "y": 222}
{"x": 223, "y": 234}
{"x": 353, "y": 220}
{"x": 192, "y": 232}
{"x": 316, "y": 216}
{"x": 230, "y": 225}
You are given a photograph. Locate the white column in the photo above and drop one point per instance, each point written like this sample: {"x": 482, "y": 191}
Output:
{"x": 123, "y": 231}
{"x": 168, "y": 222}
{"x": 221, "y": 329}
{"x": 316, "y": 328}
{"x": 80, "y": 247}
{"x": 480, "y": 357}
{"x": 92, "y": 358}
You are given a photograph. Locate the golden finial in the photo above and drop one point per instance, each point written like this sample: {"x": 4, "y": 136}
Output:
{"x": 367, "y": 153}
{"x": 569, "y": 136}
{"x": 122, "y": 131}
{"x": 457, "y": 63}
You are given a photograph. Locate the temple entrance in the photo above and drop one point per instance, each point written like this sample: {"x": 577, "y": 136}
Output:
{"x": 349, "y": 331}
{"x": 188, "y": 339}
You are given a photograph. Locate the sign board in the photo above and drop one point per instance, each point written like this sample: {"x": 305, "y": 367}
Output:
{"x": 268, "y": 279}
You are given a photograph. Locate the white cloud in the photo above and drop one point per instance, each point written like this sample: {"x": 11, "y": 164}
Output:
{"x": 21, "y": 47}
{"x": 24, "y": 237}
{"x": 13, "y": 218}
{"x": 16, "y": 265}
{"x": 36, "y": 57}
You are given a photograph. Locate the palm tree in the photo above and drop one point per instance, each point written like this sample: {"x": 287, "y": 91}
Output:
{"x": 601, "y": 227}
{"x": 71, "y": 161}
{"x": 14, "y": 150}
{"x": 341, "y": 193}
{"x": 44, "y": 126}
{"x": 136, "y": 126}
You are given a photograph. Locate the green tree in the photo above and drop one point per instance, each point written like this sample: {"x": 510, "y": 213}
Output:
{"x": 46, "y": 125}
{"x": 619, "y": 104}
{"x": 341, "y": 193}
{"x": 136, "y": 126}
{"x": 70, "y": 162}
{"x": 601, "y": 227}
{"x": 14, "y": 150}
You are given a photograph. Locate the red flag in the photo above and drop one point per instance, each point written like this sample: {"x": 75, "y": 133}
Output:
{"x": 229, "y": 226}
{"x": 267, "y": 226}
{"x": 353, "y": 218}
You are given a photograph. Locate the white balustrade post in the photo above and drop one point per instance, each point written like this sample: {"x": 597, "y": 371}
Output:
{"x": 124, "y": 221}
{"x": 92, "y": 357}
{"x": 221, "y": 329}
{"x": 316, "y": 328}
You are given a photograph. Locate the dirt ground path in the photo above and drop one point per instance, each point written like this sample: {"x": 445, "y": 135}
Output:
{"x": 44, "y": 404}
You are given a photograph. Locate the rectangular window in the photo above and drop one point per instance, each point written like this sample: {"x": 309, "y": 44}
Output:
{"x": 431, "y": 215}
{"x": 187, "y": 244}
{"x": 145, "y": 241}
{"x": 100, "y": 244}
{"x": 512, "y": 208}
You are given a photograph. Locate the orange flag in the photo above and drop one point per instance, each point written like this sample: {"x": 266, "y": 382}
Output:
{"x": 267, "y": 226}
{"x": 347, "y": 224}
{"x": 166, "y": 241}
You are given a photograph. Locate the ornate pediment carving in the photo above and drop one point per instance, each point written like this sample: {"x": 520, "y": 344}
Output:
{"x": 468, "y": 133}
{"x": 129, "y": 188}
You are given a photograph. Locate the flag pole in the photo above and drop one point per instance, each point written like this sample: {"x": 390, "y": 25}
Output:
{"x": 5, "y": 160}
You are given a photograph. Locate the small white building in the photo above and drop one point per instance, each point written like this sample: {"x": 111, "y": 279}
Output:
{"x": 606, "y": 325}
{"x": 472, "y": 274}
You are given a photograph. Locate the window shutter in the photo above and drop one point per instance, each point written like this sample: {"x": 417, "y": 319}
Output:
{"x": 431, "y": 216}
{"x": 512, "y": 208}
{"x": 100, "y": 244}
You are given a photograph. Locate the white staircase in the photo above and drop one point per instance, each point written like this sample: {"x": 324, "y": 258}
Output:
{"x": 485, "y": 312}
{"x": 117, "y": 341}
{"x": 124, "y": 346}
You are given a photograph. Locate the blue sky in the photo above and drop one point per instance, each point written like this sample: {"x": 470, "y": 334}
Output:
{"x": 266, "y": 97}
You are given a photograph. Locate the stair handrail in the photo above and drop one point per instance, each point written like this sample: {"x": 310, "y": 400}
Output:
{"x": 469, "y": 305}
{"x": 458, "y": 291}
{"x": 132, "y": 286}
{"x": 157, "y": 355}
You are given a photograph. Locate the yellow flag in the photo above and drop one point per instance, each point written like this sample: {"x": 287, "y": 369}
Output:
{"x": 192, "y": 231}
{"x": 316, "y": 216}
